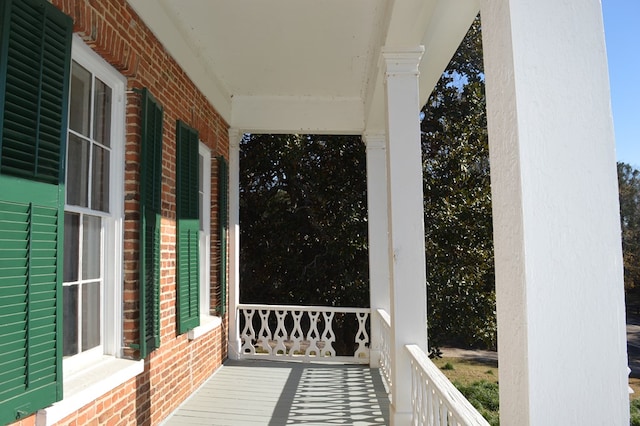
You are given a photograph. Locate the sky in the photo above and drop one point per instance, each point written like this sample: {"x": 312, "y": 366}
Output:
{"x": 622, "y": 33}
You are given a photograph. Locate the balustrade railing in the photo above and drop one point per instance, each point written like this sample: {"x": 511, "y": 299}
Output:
{"x": 385, "y": 348}
{"x": 307, "y": 333}
{"x": 435, "y": 400}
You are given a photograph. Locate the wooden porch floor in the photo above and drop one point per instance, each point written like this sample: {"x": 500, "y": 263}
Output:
{"x": 276, "y": 393}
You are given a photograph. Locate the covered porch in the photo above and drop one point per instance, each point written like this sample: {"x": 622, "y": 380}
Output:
{"x": 366, "y": 67}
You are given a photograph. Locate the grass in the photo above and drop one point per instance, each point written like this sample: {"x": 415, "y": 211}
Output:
{"x": 478, "y": 382}
{"x": 466, "y": 371}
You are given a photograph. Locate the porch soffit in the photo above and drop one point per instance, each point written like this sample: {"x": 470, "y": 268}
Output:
{"x": 284, "y": 66}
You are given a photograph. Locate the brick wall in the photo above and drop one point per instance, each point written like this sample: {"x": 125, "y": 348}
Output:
{"x": 113, "y": 30}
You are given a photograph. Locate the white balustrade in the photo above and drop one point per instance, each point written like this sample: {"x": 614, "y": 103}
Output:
{"x": 435, "y": 400}
{"x": 385, "y": 348}
{"x": 301, "y": 332}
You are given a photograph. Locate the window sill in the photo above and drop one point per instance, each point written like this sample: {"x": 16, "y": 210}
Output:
{"x": 88, "y": 385}
{"x": 207, "y": 323}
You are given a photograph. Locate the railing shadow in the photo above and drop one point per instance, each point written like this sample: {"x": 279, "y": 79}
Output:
{"x": 332, "y": 394}
{"x": 320, "y": 393}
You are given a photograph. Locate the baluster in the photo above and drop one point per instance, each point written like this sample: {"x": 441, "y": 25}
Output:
{"x": 248, "y": 335}
{"x": 296, "y": 334}
{"x": 281, "y": 334}
{"x": 414, "y": 394}
{"x": 328, "y": 337}
{"x": 264, "y": 337}
{"x": 362, "y": 337}
{"x": 444, "y": 412}
{"x": 313, "y": 334}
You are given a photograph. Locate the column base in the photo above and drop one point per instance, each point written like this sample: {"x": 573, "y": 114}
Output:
{"x": 233, "y": 349}
{"x": 399, "y": 419}
{"x": 374, "y": 358}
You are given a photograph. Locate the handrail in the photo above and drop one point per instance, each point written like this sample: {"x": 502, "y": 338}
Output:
{"x": 290, "y": 332}
{"x": 435, "y": 400}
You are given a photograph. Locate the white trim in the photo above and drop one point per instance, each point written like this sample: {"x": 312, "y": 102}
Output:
{"x": 207, "y": 324}
{"x": 89, "y": 385}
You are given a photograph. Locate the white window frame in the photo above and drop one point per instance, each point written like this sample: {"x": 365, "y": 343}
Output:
{"x": 90, "y": 375}
{"x": 207, "y": 321}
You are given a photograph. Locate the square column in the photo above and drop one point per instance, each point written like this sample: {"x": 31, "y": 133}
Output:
{"x": 378, "y": 222}
{"x": 559, "y": 284}
{"x": 235, "y": 136}
{"x": 406, "y": 254}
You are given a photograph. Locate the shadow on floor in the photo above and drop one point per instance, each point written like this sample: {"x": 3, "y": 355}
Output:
{"x": 277, "y": 393}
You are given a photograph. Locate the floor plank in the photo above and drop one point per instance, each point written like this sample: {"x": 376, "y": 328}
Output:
{"x": 277, "y": 393}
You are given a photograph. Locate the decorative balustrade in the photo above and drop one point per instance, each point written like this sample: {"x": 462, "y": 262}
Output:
{"x": 304, "y": 333}
{"x": 435, "y": 400}
{"x": 385, "y": 348}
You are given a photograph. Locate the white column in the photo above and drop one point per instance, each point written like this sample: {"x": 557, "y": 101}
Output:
{"x": 406, "y": 255}
{"x": 378, "y": 222}
{"x": 560, "y": 300}
{"x": 235, "y": 136}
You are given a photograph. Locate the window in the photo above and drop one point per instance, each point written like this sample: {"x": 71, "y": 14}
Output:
{"x": 207, "y": 321}
{"x": 204, "y": 208}
{"x": 93, "y": 212}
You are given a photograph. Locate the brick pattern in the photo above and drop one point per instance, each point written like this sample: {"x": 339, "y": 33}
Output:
{"x": 113, "y": 30}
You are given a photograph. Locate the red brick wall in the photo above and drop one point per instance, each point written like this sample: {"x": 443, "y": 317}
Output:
{"x": 113, "y": 30}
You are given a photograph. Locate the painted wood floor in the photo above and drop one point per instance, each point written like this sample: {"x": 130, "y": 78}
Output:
{"x": 276, "y": 393}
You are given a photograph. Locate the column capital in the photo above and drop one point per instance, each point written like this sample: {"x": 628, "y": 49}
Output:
{"x": 401, "y": 60}
{"x": 235, "y": 136}
{"x": 375, "y": 140}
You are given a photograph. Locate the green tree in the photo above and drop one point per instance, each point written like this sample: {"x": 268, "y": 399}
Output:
{"x": 629, "y": 191}
{"x": 303, "y": 212}
{"x": 458, "y": 223}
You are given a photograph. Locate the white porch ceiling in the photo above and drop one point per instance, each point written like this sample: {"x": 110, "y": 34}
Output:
{"x": 285, "y": 66}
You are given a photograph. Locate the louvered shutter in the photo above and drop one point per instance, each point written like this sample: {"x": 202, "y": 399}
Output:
{"x": 223, "y": 228}
{"x": 35, "y": 52}
{"x": 187, "y": 227}
{"x": 150, "y": 210}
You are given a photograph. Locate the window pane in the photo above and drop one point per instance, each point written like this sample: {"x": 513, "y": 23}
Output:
{"x": 70, "y": 320}
{"x": 80, "y": 100}
{"x": 90, "y": 315}
{"x": 91, "y": 244}
{"x": 78, "y": 171}
{"x": 100, "y": 181}
{"x": 71, "y": 246}
{"x": 102, "y": 119}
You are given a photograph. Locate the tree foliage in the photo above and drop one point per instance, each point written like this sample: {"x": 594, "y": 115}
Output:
{"x": 303, "y": 216}
{"x": 629, "y": 191}
{"x": 458, "y": 222}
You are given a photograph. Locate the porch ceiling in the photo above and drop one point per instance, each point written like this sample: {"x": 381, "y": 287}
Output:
{"x": 284, "y": 66}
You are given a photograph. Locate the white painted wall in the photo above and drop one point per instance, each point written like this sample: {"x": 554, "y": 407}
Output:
{"x": 561, "y": 320}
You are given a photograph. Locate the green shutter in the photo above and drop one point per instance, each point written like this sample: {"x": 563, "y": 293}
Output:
{"x": 35, "y": 52}
{"x": 150, "y": 215}
{"x": 223, "y": 228}
{"x": 188, "y": 227}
